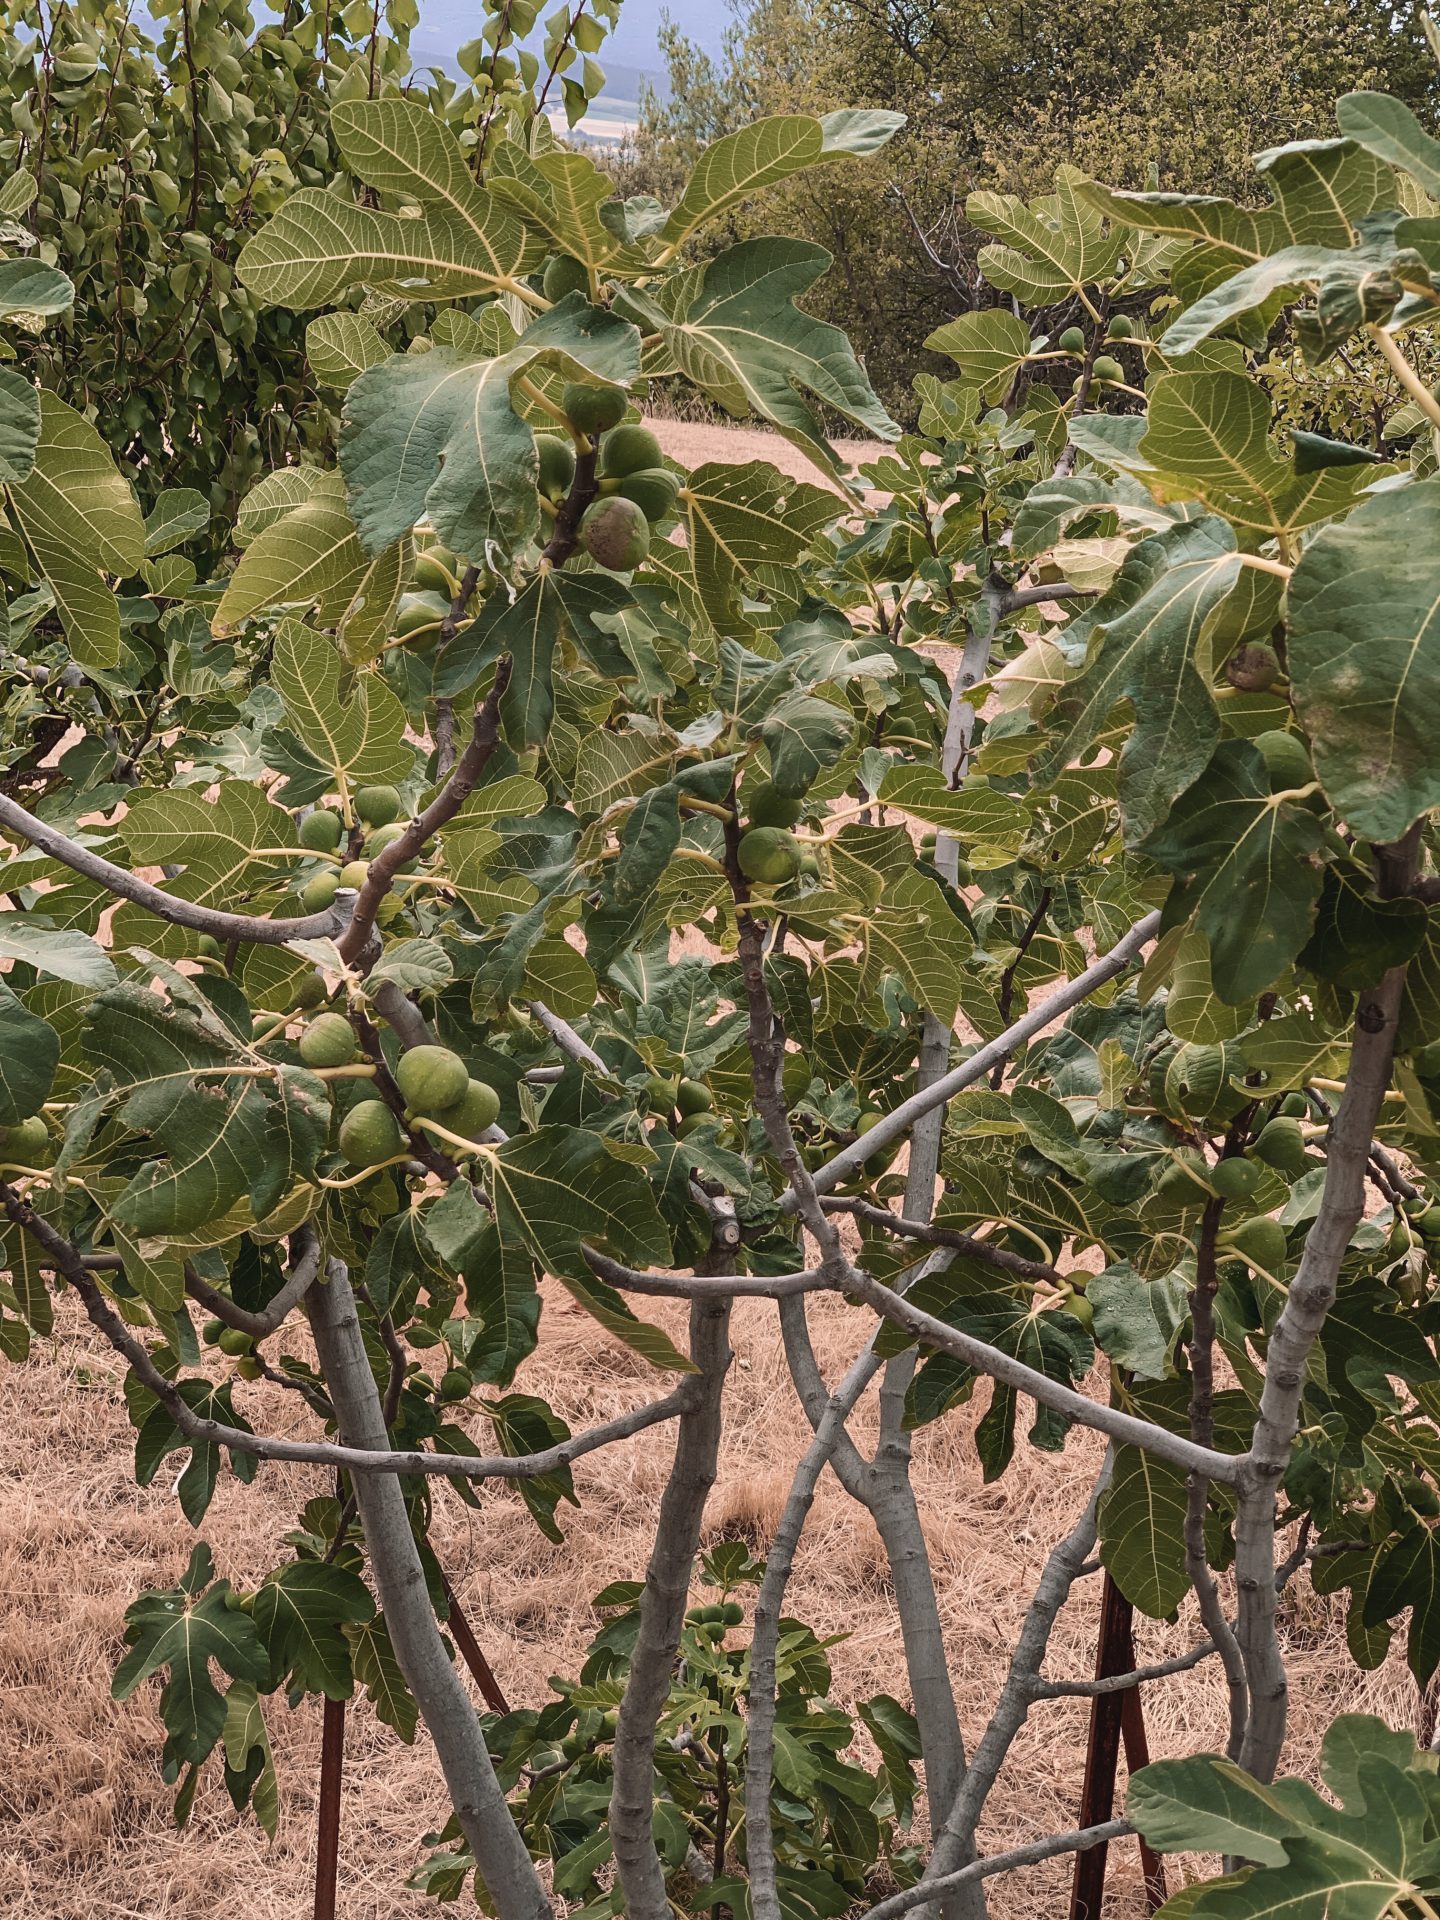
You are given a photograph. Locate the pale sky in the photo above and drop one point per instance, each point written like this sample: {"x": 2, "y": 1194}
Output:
{"x": 635, "y": 42}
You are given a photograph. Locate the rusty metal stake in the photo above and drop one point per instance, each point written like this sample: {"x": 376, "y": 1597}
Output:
{"x": 327, "y": 1831}
{"x": 1113, "y": 1717}
{"x": 473, "y": 1653}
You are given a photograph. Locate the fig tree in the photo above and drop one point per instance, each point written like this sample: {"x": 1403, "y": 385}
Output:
{"x": 370, "y": 1133}
{"x": 629, "y": 450}
{"x": 328, "y": 1041}
{"x": 320, "y": 831}
{"x": 615, "y": 534}
{"x": 593, "y": 410}
{"x": 432, "y": 1079}
{"x": 769, "y": 855}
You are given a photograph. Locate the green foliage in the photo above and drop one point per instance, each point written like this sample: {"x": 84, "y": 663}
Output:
{"x": 837, "y": 1820}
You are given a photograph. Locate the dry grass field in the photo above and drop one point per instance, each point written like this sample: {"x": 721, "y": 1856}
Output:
{"x": 85, "y": 1826}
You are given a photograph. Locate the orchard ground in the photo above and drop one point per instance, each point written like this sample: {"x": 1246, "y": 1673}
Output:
{"x": 85, "y": 1820}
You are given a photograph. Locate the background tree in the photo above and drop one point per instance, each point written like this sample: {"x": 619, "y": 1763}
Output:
{"x": 998, "y": 98}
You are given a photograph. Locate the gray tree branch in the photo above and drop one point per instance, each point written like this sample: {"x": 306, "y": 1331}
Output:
{"x": 478, "y": 1799}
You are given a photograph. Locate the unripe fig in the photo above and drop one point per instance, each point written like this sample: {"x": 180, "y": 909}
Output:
{"x": 435, "y": 570}
{"x": 1281, "y": 1144}
{"x": 1107, "y": 370}
{"x": 353, "y": 873}
{"x": 629, "y": 450}
{"x": 882, "y": 1157}
{"x": 615, "y": 534}
{"x": 1286, "y": 757}
{"x": 28, "y": 1143}
{"x": 564, "y": 274}
{"x": 1253, "y": 668}
{"x": 654, "y": 490}
{"x": 693, "y": 1096}
{"x": 663, "y": 1090}
{"x": 477, "y": 1112}
{"x": 378, "y": 806}
{"x": 232, "y": 1341}
{"x": 1258, "y": 1240}
{"x": 764, "y": 807}
{"x": 769, "y": 855}
{"x": 1121, "y": 327}
{"x": 370, "y": 1133}
{"x": 383, "y": 837}
{"x": 454, "y": 1384}
{"x": 1072, "y": 340}
{"x": 432, "y": 1079}
{"x": 320, "y": 831}
{"x": 1235, "y": 1179}
{"x": 319, "y": 892}
{"x": 328, "y": 1041}
{"x": 1185, "y": 1182}
{"x": 417, "y": 612}
{"x": 1079, "y": 1308}
{"x": 593, "y": 410}
{"x": 209, "y": 948}
{"x": 1295, "y": 1106}
{"x": 211, "y": 1331}
{"x": 557, "y": 464}
{"x": 692, "y": 1124}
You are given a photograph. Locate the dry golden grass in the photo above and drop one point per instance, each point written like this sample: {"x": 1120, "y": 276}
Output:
{"x": 85, "y": 1831}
